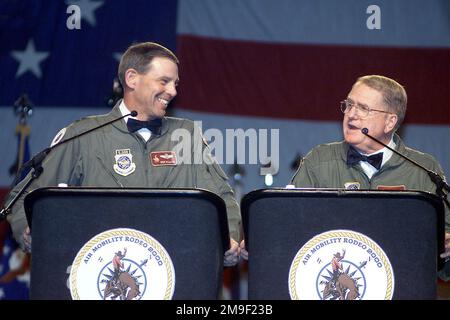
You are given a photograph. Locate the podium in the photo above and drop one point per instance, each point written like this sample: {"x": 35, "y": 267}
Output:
{"x": 301, "y": 240}
{"x": 169, "y": 241}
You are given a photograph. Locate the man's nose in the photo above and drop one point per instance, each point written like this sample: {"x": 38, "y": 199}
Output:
{"x": 172, "y": 89}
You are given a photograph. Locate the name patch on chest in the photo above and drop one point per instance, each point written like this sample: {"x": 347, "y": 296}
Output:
{"x": 392, "y": 188}
{"x": 163, "y": 158}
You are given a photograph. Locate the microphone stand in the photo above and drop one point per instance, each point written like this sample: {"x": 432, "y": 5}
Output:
{"x": 36, "y": 164}
{"x": 24, "y": 109}
{"x": 440, "y": 183}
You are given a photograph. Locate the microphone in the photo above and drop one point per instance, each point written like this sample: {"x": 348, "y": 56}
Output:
{"x": 440, "y": 183}
{"x": 436, "y": 178}
{"x": 36, "y": 162}
{"x": 38, "y": 158}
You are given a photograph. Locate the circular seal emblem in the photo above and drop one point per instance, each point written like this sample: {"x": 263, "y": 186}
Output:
{"x": 124, "y": 162}
{"x": 341, "y": 265}
{"x": 122, "y": 264}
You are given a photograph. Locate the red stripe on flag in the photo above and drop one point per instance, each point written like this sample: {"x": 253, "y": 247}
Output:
{"x": 305, "y": 81}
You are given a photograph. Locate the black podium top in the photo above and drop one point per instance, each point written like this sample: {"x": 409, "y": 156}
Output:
{"x": 324, "y": 193}
{"x": 132, "y": 194}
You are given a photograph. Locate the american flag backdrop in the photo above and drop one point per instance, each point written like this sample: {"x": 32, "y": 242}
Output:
{"x": 249, "y": 64}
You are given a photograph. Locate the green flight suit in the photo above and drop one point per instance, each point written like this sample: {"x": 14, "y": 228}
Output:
{"x": 325, "y": 167}
{"x": 91, "y": 161}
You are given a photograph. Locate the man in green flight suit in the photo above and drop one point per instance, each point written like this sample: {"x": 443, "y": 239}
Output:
{"x": 377, "y": 103}
{"x": 135, "y": 152}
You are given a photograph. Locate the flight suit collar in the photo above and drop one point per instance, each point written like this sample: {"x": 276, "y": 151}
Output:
{"x": 396, "y": 160}
{"x": 122, "y": 126}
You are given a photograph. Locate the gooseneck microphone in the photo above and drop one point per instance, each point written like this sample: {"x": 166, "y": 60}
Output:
{"x": 440, "y": 183}
{"x": 36, "y": 162}
{"x": 38, "y": 158}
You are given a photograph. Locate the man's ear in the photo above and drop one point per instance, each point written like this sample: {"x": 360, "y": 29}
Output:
{"x": 391, "y": 122}
{"x": 131, "y": 78}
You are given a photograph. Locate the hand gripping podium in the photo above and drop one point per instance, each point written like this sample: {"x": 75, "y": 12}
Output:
{"x": 102, "y": 243}
{"x": 341, "y": 244}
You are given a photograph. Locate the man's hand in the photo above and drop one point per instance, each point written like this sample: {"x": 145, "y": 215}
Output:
{"x": 446, "y": 254}
{"x": 244, "y": 252}
{"x": 26, "y": 237}
{"x": 231, "y": 257}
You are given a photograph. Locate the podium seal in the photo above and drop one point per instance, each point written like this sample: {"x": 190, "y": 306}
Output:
{"x": 341, "y": 265}
{"x": 122, "y": 264}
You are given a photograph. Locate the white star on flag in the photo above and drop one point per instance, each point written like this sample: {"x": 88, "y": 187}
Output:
{"x": 87, "y": 8}
{"x": 29, "y": 59}
{"x": 117, "y": 56}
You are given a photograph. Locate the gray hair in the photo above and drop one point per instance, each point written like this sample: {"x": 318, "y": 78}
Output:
{"x": 394, "y": 94}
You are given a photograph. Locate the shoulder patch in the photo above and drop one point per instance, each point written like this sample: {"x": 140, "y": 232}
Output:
{"x": 58, "y": 137}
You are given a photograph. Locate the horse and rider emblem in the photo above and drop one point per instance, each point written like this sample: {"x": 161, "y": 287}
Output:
{"x": 123, "y": 283}
{"x": 340, "y": 284}
{"x": 341, "y": 265}
{"x": 122, "y": 264}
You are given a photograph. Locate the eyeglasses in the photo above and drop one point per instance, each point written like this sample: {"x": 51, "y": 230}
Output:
{"x": 361, "y": 110}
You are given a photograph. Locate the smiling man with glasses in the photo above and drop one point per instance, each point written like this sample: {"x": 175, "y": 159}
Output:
{"x": 377, "y": 103}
